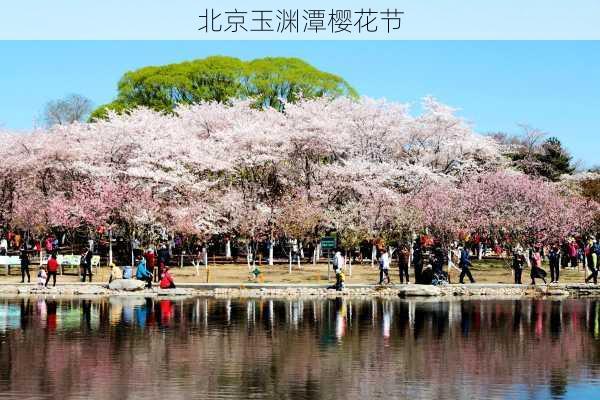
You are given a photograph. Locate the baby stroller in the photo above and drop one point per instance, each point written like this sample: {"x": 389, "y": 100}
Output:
{"x": 440, "y": 278}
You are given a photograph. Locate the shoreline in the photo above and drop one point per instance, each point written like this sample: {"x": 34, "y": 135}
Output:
{"x": 310, "y": 291}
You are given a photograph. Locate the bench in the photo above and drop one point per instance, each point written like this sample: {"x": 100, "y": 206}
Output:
{"x": 68, "y": 261}
{"x": 10, "y": 261}
{"x": 74, "y": 261}
{"x": 96, "y": 263}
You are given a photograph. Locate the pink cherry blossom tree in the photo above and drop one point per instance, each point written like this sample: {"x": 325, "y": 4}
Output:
{"x": 369, "y": 169}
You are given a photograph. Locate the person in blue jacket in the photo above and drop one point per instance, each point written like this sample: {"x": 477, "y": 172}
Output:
{"x": 464, "y": 264}
{"x": 142, "y": 272}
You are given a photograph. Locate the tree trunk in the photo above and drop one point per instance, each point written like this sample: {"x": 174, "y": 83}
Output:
{"x": 349, "y": 261}
{"x": 110, "y": 249}
{"x": 290, "y": 261}
{"x": 196, "y": 263}
{"x": 248, "y": 255}
{"x": 271, "y": 252}
{"x": 318, "y": 253}
{"x": 228, "y": 249}
{"x": 373, "y": 255}
{"x": 132, "y": 258}
{"x": 41, "y": 253}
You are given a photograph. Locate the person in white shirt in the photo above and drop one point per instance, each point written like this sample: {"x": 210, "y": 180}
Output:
{"x": 3, "y": 246}
{"x": 384, "y": 266}
{"x": 338, "y": 267}
{"x": 338, "y": 261}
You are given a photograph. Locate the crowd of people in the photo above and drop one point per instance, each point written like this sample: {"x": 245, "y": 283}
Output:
{"x": 428, "y": 261}
{"x": 145, "y": 265}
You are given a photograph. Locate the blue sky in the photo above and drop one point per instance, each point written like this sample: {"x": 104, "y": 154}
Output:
{"x": 553, "y": 86}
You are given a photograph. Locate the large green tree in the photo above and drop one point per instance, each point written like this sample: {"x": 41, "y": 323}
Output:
{"x": 548, "y": 159}
{"x": 555, "y": 160}
{"x": 269, "y": 80}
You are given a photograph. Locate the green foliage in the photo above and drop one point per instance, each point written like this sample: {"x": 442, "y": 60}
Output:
{"x": 102, "y": 111}
{"x": 268, "y": 80}
{"x": 556, "y": 159}
{"x": 549, "y": 160}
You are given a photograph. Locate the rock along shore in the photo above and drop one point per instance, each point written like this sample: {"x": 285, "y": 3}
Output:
{"x": 311, "y": 291}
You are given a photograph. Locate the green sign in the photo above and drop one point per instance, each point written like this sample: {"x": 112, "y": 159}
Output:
{"x": 328, "y": 242}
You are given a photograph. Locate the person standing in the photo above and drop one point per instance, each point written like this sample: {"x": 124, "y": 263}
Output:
{"x": 151, "y": 262}
{"x": 3, "y": 246}
{"x": 24, "y": 265}
{"x": 163, "y": 258}
{"x": 587, "y": 251}
{"x": 593, "y": 248}
{"x": 86, "y": 265}
{"x": 384, "y": 266}
{"x": 465, "y": 264}
{"x": 564, "y": 251}
{"x": 536, "y": 266}
{"x": 596, "y": 250}
{"x": 338, "y": 267}
{"x": 49, "y": 244}
{"x": 593, "y": 263}
{"x": 554, "y": 260}
{"x": 403, "y": 262}
{"x": 417, "y": 261}
{"x": 581, "y": 252}
{"x": 573, "y": 253}
{"x": 519, "y": 262}
{"x": 53, "y": 266}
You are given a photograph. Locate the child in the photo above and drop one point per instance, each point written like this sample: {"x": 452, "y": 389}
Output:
{"x": 41, "y": 277}
{"x": 115, "y": 273}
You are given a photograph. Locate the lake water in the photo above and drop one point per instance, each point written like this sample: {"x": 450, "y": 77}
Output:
{"x": 311, "y": 349}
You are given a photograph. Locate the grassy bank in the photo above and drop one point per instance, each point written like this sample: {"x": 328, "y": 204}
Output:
{"x": 486, "y": 271}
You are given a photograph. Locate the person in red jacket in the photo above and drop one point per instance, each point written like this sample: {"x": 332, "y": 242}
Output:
{"x": 53, "y": 266}
{"x": 166, "y": 281}
{"x": 151, "y": 263}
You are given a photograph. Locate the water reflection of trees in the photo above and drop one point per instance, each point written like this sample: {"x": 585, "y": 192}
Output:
{"x": 118, "y": 348}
